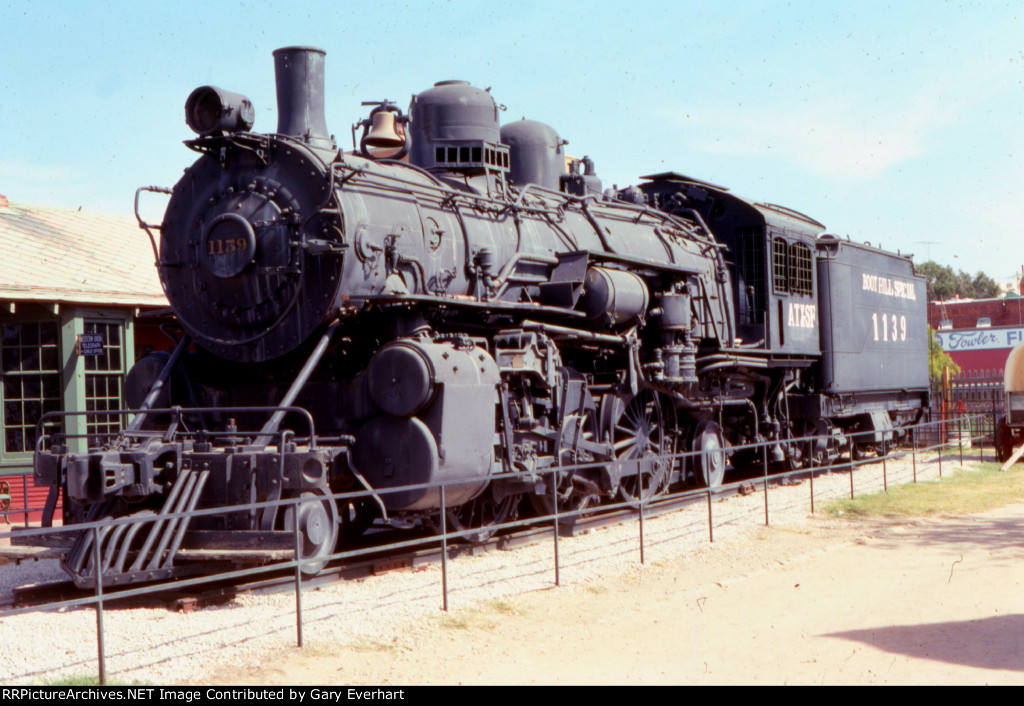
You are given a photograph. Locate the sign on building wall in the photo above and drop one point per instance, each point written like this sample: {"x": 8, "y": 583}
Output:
{"x": 90, "y": 344}
{"x": 980, "y": 339}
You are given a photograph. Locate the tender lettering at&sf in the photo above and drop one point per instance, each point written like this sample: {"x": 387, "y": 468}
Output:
{"x": 802, "y": 315}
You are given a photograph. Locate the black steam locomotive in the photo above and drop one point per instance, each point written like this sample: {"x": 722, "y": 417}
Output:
{"x": 460, "y": 302}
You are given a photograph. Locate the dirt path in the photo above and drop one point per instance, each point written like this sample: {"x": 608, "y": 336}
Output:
{"x": 923, "y": 602}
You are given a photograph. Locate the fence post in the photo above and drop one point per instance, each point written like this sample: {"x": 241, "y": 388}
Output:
{"x": 764, "y": 458}
{"x": 558, "y": 577}
{"x": 960, "y": 435}
{"x": 641, "y": 486}
{"x": 813, "y": 469}
{"x": 941, "y": 424}
{"x": 711, "y": 526}
{"x": 913, "y": 451}
{"x": 853, "y": 446}
{"x": 444, "y": 552}
{"x": 981, "y": 438}
{"x": 885, "y": 468}
{"x": 101, "y": 652}
{"x": 24, "y": 494}
{"x": 995, "y": 432}
{"x": 298, "y": 574}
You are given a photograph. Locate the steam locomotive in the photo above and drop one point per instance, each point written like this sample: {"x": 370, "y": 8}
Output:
{"x": 458, "y": 302}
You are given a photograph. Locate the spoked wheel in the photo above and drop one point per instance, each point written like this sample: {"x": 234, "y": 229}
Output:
{"x": 640, "y": 445}
{"x": 572, "y": 498}
{"x": 576, "y": 488}
{"x": 318, "y": 528}
{"x": 484, "y": 514}
{"x": 709, "y": 444}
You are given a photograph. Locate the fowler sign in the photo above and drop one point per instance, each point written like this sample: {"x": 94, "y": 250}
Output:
{"x": 980, "y": 339}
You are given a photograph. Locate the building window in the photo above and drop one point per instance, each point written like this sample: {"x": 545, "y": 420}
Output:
{"x": 104, "y": 378}
{"x": 779, "y": 269}
{"x": 800, "y": 279}
{"x": 30, "y": 358}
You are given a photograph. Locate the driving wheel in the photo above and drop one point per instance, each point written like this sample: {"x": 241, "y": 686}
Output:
{"x": 318, "y": 528}
{"x": 709, "y": 444}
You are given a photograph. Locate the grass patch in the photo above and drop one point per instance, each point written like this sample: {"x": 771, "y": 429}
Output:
{"x": 77, "y": 680}
{"x": 481, "y": 617}
{"x": 501, "y": 606}
{"x": 368, "y": 645}
{"x": 317, "y": 649}
{"x": 461, "y": 621}
{"x": 82, "y": 680}
{"x": 962, "y": 493}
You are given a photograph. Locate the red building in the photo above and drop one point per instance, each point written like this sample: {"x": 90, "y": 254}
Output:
{"x": 979, "y": 334}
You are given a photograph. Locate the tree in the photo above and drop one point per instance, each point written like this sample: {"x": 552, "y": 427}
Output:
{"x": 944, "y": 283}
{"x": 938, "y": 359}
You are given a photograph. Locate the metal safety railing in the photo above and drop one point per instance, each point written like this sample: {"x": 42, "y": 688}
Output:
{"x": 922, "y": 454}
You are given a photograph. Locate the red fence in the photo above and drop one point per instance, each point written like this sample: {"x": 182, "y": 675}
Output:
{"x": 26, "y": 499}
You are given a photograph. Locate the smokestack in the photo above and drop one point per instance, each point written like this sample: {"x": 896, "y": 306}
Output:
{"x": 299, "y": 73}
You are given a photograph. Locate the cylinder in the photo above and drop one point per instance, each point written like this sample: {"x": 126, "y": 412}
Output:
{"x": 401, "y": 379}
{"x": 394, "y": 451}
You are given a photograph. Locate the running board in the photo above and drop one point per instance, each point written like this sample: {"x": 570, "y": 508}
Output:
{"x": 138, "y": 551}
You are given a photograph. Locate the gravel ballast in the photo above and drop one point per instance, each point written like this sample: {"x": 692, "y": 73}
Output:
{"x": 158, "y": 646}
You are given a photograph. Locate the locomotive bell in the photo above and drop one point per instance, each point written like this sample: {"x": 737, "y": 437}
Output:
{"x": 382, "y": 131}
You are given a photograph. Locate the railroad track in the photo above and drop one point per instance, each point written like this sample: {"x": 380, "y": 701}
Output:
{"x": 371, "y": 563}
{"x": 363, "y": 566}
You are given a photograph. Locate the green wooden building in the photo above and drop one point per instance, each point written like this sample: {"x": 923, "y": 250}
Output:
{"x": 77, "y": 291}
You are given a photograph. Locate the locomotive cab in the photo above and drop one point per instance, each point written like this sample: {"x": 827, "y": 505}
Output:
{"x": 772, "y": 252}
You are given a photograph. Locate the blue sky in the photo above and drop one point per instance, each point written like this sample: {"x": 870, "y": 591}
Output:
{"x": 900, "y": 123}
